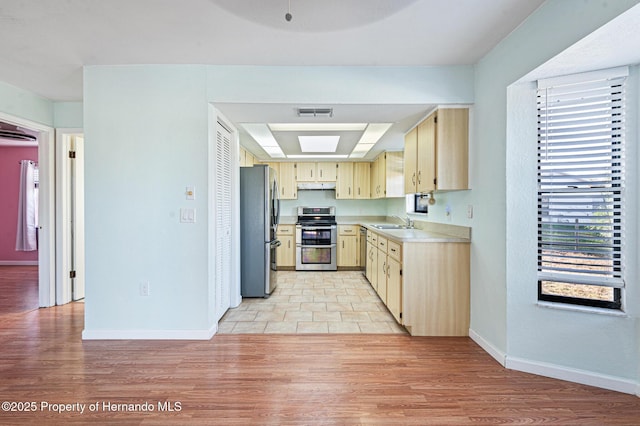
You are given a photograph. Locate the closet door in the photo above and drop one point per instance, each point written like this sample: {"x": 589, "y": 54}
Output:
{"x": 223, "y": 220}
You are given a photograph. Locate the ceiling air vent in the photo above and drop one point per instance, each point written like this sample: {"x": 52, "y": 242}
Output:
{"x": 315, "y": 112}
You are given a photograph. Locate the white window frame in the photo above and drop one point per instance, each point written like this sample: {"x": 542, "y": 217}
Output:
{"x": 581, "y": 175}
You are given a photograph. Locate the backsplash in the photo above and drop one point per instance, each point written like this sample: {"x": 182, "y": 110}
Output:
{"x": 343, "y": 207}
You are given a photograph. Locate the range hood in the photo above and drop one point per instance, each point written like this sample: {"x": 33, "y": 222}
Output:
{"x": 316, "y": 186}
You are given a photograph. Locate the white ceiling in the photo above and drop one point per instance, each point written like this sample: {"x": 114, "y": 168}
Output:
{"x": 45, "y": 44}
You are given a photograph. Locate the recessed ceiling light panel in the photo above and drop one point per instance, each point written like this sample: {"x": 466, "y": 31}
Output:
{"x": 318, "y": 143}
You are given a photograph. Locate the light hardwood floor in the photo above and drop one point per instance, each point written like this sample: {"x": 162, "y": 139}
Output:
{"x": 271, "y": 379}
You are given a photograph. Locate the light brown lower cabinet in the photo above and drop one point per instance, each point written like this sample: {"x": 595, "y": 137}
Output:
{"x": 424, "y": 285}
{"x": 348, "y": 255}
{"x": 435, "y": 290}
{"x": 286, "y": 253}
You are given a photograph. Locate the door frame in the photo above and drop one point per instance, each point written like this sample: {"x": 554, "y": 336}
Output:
{"x": 64, "y": 242}
{"x": 46, "y": 208}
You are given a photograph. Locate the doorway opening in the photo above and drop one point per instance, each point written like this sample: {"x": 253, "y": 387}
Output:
{"x": 19, "y": 177}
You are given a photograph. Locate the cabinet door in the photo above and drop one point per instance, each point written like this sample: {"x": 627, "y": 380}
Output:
{"x": 372, "y": 265}
{"x": 394, "y": 288}
{"x": 287, "y": 182}
{"x": 306, "y": 172}
{"x": 382, "y": 175}
{"x": 326, "y": 172}
{"x": 361, "y": 181}
{"x": 452, "y": 153}
{"x": 242, "y": 157}
{"x": 344, "y": 183}
{"x": 410, "y": 161}
{"x": 285, "y": 254}
{"x": 347, "y": 250}
{"x": 375, "y": 187}
{"x": 249, "y": 159}
{"x": 381, "y": 288}
{"x": 393, "y": 175}
{"x": 426, "y": 170}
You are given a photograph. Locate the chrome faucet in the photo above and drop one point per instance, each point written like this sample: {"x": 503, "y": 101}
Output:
{"x": 407, "y": 220}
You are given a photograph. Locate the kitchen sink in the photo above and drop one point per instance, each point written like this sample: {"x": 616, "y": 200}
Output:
{"x": 388, "y": 226}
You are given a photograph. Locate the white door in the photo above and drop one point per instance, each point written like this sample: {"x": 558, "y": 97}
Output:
{"x": 222, "y": 220}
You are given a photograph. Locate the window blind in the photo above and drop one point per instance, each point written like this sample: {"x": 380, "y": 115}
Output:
{"x": 581, "y": 181}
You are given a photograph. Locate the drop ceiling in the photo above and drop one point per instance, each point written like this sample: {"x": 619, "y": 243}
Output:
{"x": 45, "y": 44}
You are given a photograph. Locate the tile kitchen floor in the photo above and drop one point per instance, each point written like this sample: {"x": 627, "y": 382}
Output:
{"x": 313, "y": 302}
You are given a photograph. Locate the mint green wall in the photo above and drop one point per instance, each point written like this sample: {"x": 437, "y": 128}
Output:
{"x": 146, "y": 132}
{"x": 497, "y": 284}
{"x": 68, "y": 115}
{"x": 604, "y": 344}
{"x": 343, "y": 207}
{"x": 357, "y": 85}
{"x": 23, "y": 104}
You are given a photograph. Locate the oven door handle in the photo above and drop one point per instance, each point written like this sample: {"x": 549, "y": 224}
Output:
{"x": 316, "y": 228}
{"x": 332, "y": 245}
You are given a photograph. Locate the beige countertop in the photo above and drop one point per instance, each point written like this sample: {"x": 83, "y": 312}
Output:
{"x": 434, "y": 232}
{"x": 415, "y": 235}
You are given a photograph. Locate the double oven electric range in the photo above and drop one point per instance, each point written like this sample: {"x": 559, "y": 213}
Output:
{"x": 316, "y": 239}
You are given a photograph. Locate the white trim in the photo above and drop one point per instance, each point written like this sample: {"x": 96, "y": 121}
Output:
{"x": 18, "y": 263}
{"x": 581, "y": 308}
{"x": 46, "y": 220}
{"x": 562, "y": 80}
{"x": 573, "y": 375}
{"x": 496, "y": 353}
{"x": 150, "y": 334}
{"x": 19, "y": 144}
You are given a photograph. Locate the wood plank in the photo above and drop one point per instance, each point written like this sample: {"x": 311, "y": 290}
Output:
{"x": 279, "y": 379}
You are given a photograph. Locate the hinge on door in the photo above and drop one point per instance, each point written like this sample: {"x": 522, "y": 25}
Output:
{"x": 400, "y": 272}
{"x": 72, "y": 274}
{"x": 400, "y": 315}
{"x": 435, "y": 181}
{"x": 435, "y": 119}
{"x": 72, "y": 154}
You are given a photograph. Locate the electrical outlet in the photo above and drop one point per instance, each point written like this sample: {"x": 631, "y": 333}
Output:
{"x": 145, "y": 288}
{"x": 470, "y": 211}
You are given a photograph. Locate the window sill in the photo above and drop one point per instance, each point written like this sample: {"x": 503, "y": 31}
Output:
{"x": 584, "y": 309}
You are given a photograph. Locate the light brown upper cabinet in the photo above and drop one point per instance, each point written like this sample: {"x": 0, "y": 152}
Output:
{"x": 287, "y": 181}
{"x": 361, "y": 181}
{"x": 306, "y": 172}
{"x": 387, "y": 175}
{"x": 326, "y": 172}
{"x": 436, "y": 154}
{"x": 344, "y": 183}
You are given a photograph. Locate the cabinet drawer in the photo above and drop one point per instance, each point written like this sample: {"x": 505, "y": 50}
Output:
{"x": 286, "y": 229}
{"x": 372, "y": 238}
{"x": 394, "y": 250}
{"x": 348, "y": 229}
{"x": 382, "y": 244}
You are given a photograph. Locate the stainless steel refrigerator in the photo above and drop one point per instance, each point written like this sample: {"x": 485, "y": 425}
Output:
{"x": 259, "y": 216}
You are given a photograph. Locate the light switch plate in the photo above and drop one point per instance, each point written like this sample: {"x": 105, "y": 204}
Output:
{"x": 187, "y": 215}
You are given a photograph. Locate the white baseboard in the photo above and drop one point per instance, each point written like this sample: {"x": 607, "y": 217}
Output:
{"x": 496, "y": 353}
{"x": 18, "y": 263}
{"x": 149, "y": 334}
{"x": 573, "y": 375}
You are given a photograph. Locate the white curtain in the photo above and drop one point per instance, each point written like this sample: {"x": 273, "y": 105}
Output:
{"x": 26, "y": 237}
